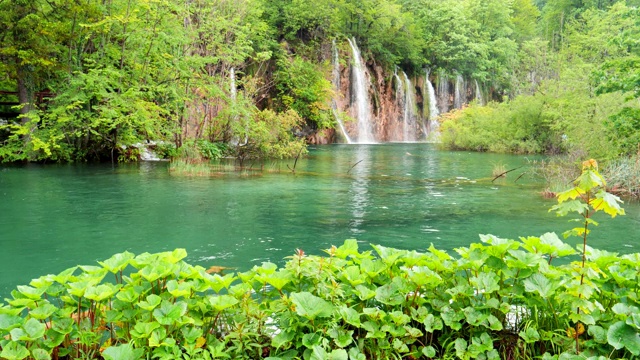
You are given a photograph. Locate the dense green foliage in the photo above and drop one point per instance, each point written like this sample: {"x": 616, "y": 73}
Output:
{"x": 576, "y": 92}
{"x": 120, "y": 72}
{"x": 495, "y": 299}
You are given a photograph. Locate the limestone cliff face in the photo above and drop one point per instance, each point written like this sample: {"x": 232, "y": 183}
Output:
{"x": 398, "y": 107}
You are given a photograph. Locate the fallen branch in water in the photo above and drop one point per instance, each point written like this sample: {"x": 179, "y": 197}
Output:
{"x": 505, "y": 173}
{"x": 354, "y": 165}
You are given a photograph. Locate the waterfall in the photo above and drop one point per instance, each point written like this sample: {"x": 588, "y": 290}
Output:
{"x": 478, "y": 94}
{"x": 409, "y": 114}
{"x": 359, "y": 87}
{"x": 459, "y": 99}
{"x": 443, "y": 91}
{"x": 336, "y": 87}
{"x": 433, "y": 104}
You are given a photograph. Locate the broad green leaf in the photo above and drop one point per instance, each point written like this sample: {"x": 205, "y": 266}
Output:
{"x": 530, "y": 335}
{"x": 179, "y": 289}
{"x": 122, "y": 352}
{"x": 8, "y": 321}
{"x": 14, "y": 351}
{"x": 389, "y": 294}
{"x": 31, "y": 330}
{"x": 364, "y": 293}
{"x": 158, "y": 337}
{"x": 117, "y": 262}
{"x": 279, "y": 279}
{"x": 169, "y": 313}
{"x": 349, "y": 248}
{"x": 40, "y": 354}
{"x": 572, "y": 206}
{"x": 341, "y": 337}
{"x": 485, "y": 283}
{"x": 143, "y": 330}
{"x": 311, "y": 306}
{"x": 621, "y": 335}
{"x": 217, "y": 282}
{"x": 598, "y": 333}
{"x": 355, "y": 354}
{"x": 432, "y": 323}
{"x": 43, "y": 311}
{"x": 349, "y": 315}
{"x": 429, "y": 351}
{"x": 608, "y": 203}
{"x": 423, "y": 276}
{"x": 221, "y": 302}
{"x": 65, "y": 275}
{"x": 352, "y": 275}
{"x": 101, "y": 292}
{"x": 540, "y": 284}
{"x": 283, "y": 338}
{"x": 150, "y": 303}
{"x": 31, "y": 292}
{"x": 311, "y": 340}
{"x": 400, "y": 346}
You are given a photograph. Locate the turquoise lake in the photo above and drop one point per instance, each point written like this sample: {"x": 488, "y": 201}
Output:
{"x": 403, "y": 195}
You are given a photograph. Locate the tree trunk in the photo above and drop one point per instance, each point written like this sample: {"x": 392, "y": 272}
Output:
{"x": 25, "y": 93}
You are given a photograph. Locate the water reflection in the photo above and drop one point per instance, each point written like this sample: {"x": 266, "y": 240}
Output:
{"x": 359, "y": 190}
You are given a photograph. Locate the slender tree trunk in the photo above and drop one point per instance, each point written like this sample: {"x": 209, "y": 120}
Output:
{"x": 25, "y": 93}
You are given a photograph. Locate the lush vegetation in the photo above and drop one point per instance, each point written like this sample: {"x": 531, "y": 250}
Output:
{"x": 575, "y": 90}
{"x": 94, "y": 78}
{"x": 497, "y": 299}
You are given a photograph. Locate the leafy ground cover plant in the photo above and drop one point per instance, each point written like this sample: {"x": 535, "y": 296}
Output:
{"x": 496, "y": 299}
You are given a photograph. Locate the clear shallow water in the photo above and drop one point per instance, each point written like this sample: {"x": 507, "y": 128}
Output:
{"x": 403, "y": 195}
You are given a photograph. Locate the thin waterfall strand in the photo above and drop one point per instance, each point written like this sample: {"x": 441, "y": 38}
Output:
{"x": 478, "y": 94}
{"x": 336, "y": 87}
{"x": 409, "y": 118}
{"x": 458, "y": 99}
{"x": 443, "y": 91}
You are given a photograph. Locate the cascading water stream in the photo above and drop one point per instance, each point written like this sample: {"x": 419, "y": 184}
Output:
{"x": 433, "y": 104}
{"x": 478, "y": 94}
{"x": 336, "y": 87}
{"x": 409, "y": 114}
{"x": 458, "y": 99}
{"x": 359, "y": 86}
{"x": 443, "y": 91}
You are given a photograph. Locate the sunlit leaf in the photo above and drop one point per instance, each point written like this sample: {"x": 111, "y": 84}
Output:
{"x": 311, "y": 306}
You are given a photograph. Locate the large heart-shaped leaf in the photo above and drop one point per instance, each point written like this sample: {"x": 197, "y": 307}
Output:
{"x": 311, "y": 306}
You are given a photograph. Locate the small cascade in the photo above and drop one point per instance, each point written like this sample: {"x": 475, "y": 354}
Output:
{"x": 336, "y": 87}
{"x": 409, "y": 113}
{"x": 232, "y": 84}
{"x": 359, "y": 87}
{"x": 443, "y": 91}
{"x": 433, "y": 104}
{"x": 478, "y": 94}
{"x": 459, "y": 98}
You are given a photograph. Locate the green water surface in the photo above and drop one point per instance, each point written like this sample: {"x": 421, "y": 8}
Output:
{"x": 404, "y": 195}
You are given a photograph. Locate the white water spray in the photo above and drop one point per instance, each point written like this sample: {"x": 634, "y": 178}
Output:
{"x": 359, "y": 87}
{"x": 433, "y": 104}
